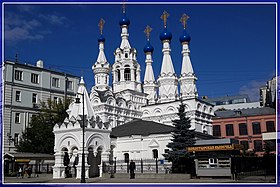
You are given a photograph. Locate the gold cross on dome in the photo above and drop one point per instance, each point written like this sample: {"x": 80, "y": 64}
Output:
{"x": 101, "y": 24}
{"x": 164, "y": 17}
{"x": 184, "y": 20}
{"x": 147, "y": 31}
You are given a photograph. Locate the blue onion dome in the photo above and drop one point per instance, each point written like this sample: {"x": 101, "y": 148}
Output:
{"x": 101, "y": 38}
{"x": 148, "y": 48}
{"x": 185, "y": 37}
{"x": 124, "y": 20}
{"x": 165, "y": 35}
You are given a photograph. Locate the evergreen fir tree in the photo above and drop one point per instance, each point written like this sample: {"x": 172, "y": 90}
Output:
{"x": 182, "y": 137}
{"x": 39, "y": 137}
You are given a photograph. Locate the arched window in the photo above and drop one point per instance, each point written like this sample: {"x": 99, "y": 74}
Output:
{"x": 126, "y": 55}
{"x": 127, "y": 73}
{"x": 155, "y": 153}
{"x": 126, "y": 157}
{"x": 118, "y": 75}
{"x": 66, "y": 159}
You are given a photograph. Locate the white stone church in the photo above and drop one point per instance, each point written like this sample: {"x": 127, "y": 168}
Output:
{"x": 129, "y": 118}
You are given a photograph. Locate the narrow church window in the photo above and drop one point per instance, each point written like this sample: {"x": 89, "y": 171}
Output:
{"x": 127, "y": 74}
{"x": 118, "y": 75}
{"x": 126, "y": 55}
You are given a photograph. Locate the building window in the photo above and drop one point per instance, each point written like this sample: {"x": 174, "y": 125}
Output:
{"x": 258, "y": 145}
{"x": 17, "y": 117}
{"x": 34, "y": 98}
{"x": 238, "y": 113}
{"x": 245, "y": 145}
{"x": 126, "y": 157}
{"x": 118, "y": 75}
{"x": 69, "y": 85}
{"x": 55, "y": 82}
{"x": 270, "y": 145}
{"x": 18, "y": 75}
{"x": 127, "y": 74}
{"x": 270, "y": 126}
{"x": 16, "y": 136}
{"x": 126, "y": 55}
{"x": 256, "y": 127}
{"x": 229, "y": 130}
{"x": 18, "y": 96}
{"x": 216, "y": 130}
{"x": 155, "y": 153}
{"x": 34, "y": 78}
{"x": 56, "y": 100}
{"x": 213, "y": 162}
{"x": 243, "y": 129}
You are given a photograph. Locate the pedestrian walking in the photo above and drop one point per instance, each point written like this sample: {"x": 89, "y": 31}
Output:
{"x": 131, "y": 169}
{"x": 29, "y": 171}
{"x": 19, "y": 174}
{"x": 24, "y": 171}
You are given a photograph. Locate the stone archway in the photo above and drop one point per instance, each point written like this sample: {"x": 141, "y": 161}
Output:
{"x": 74, "y": 159}
{"x": 94, "y": 160}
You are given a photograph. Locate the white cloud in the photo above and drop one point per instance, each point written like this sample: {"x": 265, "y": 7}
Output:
{"x": 18, "y": 29}
{"x": 17, "y": 33}
{"x": 54, "y": 19}
{"x": 252, "y": 89}
{"x": 26, "y": 8}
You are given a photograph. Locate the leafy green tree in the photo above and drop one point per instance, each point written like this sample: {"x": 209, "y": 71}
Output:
{"x": 182, "y": 137}
{"x": 38, "y": 137}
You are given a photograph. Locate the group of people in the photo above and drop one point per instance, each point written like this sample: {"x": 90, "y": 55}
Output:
{"x": 24, "y": 171}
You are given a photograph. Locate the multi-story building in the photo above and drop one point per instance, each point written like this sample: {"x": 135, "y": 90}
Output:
{"x": 268, "y": 93}
{"x": 228, "y": 100}
{"x": 237, "y": 106}
{"x": 24, "y": 87}
{"x": 234, "y": 102}
{"x": 245, "y": 125}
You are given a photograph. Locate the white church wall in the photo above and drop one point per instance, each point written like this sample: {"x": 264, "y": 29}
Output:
{"x": 141, "y": 147}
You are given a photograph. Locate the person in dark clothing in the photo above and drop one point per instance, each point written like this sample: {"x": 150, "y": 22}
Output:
{"x": 29, "y": 171}
{"x": 131, "y": 169}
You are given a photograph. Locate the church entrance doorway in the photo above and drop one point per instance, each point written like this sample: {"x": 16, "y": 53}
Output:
{"x": 94, "y": 162}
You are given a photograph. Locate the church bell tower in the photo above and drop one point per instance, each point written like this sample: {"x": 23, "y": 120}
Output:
{"x": 126, "y": 70}
{"x": 101, "y": 68}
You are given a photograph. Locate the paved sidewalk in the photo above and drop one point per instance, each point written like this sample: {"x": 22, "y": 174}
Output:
{"x": 47, "y": 178}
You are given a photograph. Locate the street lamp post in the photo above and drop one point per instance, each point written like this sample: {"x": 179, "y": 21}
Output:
{"x": 83, "y": 177}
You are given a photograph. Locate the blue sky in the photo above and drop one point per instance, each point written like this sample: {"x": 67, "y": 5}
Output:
{"x": 232, "y": 48}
